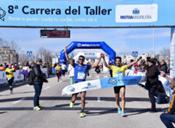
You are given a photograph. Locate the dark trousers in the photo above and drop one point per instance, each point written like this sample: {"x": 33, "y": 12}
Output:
{"x": 168, "y": 119}
{"x": 10, "y": 83}
{"x": 38, "y": 88}
{"x": 152, "y": 92}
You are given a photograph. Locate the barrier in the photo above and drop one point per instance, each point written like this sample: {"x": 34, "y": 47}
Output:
{"x": 18, "y": 76}
{"x": 3, "y": 79}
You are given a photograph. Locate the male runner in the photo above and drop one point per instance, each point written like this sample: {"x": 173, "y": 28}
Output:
{"x": 119, "y": 70}
{"x": 80, "y": 73}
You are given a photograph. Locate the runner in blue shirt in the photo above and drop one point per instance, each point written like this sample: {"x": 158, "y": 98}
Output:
{"x": 80, "y": 73}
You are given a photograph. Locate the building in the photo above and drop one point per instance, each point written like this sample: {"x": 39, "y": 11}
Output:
{"x": 7, "y": 55}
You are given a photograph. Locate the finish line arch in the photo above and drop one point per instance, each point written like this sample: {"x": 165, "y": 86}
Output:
{"x": 88, "y": 45}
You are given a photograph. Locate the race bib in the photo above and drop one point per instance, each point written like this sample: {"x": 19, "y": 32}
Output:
{"x": 119, "y": 74}
{"x": 81, "y": 75}
{"x": 120, "y": 78}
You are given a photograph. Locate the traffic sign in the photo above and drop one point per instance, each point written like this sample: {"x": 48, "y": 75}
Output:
{"x": 29, "y": 53}
{"x": 134, "y": 54}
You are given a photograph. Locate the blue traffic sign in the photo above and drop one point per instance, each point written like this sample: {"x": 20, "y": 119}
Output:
{"x": 29, "y": 53}
{"x": 134, "y": 53}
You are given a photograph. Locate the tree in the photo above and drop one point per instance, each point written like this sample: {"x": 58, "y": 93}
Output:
{"x": 165, "y": 53}
{"x": 45, "y": 55}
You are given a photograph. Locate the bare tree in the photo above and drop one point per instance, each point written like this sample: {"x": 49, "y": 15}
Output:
{"x": 45, "y": 55}
{"x": 13, "y": 46}
{"x": 23, "y": 58}
{"x": 165, "y": 52}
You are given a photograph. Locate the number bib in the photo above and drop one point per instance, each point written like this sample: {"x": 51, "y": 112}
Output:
{"x": 81, "y": 75}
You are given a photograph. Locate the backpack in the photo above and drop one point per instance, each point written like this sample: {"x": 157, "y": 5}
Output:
{"x": 31, "y": 77}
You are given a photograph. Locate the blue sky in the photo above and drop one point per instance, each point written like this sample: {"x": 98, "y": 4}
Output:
{"x": 120, "y": 39}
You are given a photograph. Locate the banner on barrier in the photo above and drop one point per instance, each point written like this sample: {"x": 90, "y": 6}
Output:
{"x": 18, "y": 75}
{"x": 3, "y": 79}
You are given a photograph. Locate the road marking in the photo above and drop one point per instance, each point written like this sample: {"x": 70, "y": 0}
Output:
{"x": 15, "y": 102}
{"x": 46, "y": 88}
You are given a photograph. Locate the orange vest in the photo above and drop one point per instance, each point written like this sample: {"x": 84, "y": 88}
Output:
{"x": 171, "y": 108}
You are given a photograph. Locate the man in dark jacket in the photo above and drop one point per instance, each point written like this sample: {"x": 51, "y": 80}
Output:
{"x": 152, "y": 82}
{"x": 38, "y": 83}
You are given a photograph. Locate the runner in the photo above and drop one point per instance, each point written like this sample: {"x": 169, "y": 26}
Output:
{"x": 119, "y": 70}
{"x": 80, "y": 73}
{"x": 10, "y": 77}
{"x": 58, "y": 71}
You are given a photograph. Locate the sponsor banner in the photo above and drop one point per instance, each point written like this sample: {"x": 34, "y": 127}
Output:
{"x": 137, "y": 13}
{"x": 100, "y": 84}
{"x": 120, "y": 81}
{"x": 63, "y": 13}
{"x": 82, "y": 86}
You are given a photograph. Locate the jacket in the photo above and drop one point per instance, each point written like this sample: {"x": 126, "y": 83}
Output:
{"x": 39, "y": 75}
{"x": 152, "y": 75}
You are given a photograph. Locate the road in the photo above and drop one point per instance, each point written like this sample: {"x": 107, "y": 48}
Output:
{"x": 16, "y": 111}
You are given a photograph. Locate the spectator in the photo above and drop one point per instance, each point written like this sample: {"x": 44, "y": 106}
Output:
{"x": 63, "y": 69}
{"x": 2, "y": 67}
{"x": 37, "y": 77}
{"x": 25, "y": 70}
{"x": 168, "y": 118}
{"x": 163, "y": 66}
{"x": 71, "y": 71}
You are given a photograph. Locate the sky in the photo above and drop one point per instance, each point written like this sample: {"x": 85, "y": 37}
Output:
{"x": 120, "y": 39}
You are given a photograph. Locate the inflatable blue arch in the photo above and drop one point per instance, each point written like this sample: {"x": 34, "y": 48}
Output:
{"x": 88, "y": 45}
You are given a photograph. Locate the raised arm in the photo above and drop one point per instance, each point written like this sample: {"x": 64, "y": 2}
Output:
{"x": 135, "y": 61}
{"x": 105, "y": 63}
{"x": 67, "y": 57}
{"x": 96, "y": 63}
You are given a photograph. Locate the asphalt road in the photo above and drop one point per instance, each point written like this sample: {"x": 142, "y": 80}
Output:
{"x": 16, "y": 111}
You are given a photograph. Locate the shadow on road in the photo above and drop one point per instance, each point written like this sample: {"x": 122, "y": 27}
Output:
{"x": 91, "y": 111}
{"x": 128, "y": 99}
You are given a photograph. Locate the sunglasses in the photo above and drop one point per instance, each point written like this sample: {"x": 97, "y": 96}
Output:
{"x": 81, "y": 59}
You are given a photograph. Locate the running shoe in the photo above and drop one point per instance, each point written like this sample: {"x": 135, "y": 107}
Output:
{"x": 71, "y": 105}
{"x": 123, "y": 114}
{"x": 119, "y": 110}
{"x": 82, "y": 114}
{"x": 37, "y": 108}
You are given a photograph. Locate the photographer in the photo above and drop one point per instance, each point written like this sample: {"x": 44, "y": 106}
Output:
{"x": 37, "y": 77}
{"x": 153, "y": 85}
